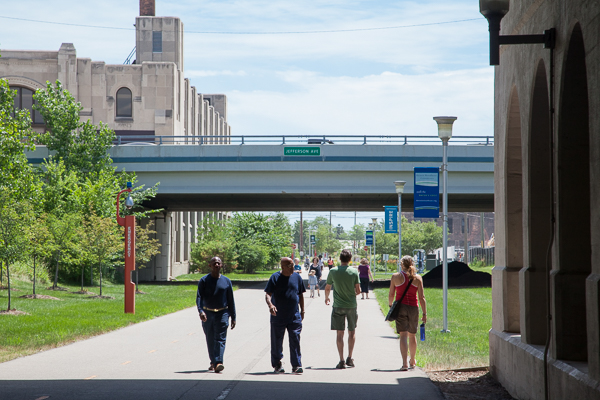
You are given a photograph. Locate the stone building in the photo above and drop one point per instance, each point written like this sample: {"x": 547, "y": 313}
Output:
{"x": 546, "y": 283}
{"x": 142, "y": 102}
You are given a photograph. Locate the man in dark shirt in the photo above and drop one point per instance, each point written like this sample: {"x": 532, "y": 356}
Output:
{"x": 214, "y": 300}
{"x": 284, "y": 293}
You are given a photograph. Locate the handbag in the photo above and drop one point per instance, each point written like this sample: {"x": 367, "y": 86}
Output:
{"x": 395, "y": 308}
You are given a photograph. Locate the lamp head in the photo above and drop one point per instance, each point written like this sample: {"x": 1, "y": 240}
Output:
{"x": 494, "y": 8}
{"x": 399, "y": 186}
{"x": 374, "y": 221}
{"x": 444, "y": 127}
{"x": 129, "y": 203}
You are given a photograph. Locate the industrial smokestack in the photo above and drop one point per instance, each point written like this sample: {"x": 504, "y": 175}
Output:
{"x": 147, "y": 8}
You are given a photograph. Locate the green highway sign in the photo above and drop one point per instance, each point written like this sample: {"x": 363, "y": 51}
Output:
{"x": 301, "y": 151}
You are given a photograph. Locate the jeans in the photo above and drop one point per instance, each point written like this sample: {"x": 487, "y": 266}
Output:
{"x": 277, "y": 334}
{"x": 215, "y": 329}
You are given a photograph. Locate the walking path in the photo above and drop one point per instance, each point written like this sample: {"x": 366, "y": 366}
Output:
{"x": 166, "y": 359}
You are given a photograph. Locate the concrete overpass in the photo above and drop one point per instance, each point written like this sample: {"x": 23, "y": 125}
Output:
{"x": 270, "y": 177}
{"x": 338, "y": 177}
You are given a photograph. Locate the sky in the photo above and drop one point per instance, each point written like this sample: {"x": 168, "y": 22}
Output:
{"x": 288, "y": 67}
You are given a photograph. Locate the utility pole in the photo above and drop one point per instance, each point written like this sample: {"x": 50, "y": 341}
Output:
{"x": 301, "y": 235}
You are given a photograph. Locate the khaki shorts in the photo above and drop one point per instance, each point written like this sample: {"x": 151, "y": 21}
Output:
{"x": 407, "y": 319}
{"x": 339, "y": 316}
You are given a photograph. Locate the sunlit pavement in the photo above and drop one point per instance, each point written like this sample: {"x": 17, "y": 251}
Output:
{"x": 166, "y": 358}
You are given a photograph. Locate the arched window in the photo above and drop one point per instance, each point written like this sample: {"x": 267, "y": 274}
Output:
{"x": 24, "y": 100}
{"x": 124, "y": 103}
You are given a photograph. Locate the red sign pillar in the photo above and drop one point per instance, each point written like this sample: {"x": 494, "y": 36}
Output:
{"x": 129, "y": 223}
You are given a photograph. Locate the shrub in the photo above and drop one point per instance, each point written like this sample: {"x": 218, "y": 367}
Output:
{"x": 201, "y": 254}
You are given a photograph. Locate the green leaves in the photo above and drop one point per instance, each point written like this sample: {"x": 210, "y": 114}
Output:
{"x": 253, "y": 241}
{"x": 16, "y": 136}
{"x": 81, "y": 145}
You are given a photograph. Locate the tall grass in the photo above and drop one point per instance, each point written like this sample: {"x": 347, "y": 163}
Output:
{"x": 469, "y": 321}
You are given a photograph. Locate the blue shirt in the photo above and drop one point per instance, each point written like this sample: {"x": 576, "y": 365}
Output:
{"x": 215, "y": 293}
{"x": 285, "y": 295}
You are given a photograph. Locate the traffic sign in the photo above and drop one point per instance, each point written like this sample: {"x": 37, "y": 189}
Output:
{"x": 302, "y": 151}
{"x": 312, "y": 239}
{"x": 294, "y": 246}
{"x": 366, "y": 248}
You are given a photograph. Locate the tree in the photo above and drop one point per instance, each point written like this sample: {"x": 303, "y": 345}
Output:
{"x": 40, "y": 242}
{"x": 357, "y": 235}
{"x": 421, "y": 235}
{"x": 15, "y": 216}
{"x": 103, "y": 241}
{"x": 274, "y": 232}
{"x": 61, "y": 192}
{"x": 325, "y": 240}
{"x": 252, "y": 256}
{"x": 16, "y": 136}
{"x": 214, "y": 240}
{"x": 81, "y": 145}
{"x": 146, "y": 246}
{"x": 66, "y": 238}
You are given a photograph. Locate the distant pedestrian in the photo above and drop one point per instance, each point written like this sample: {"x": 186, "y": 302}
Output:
{"x": 408, "y": 317}
{"x": 215, "y": 303}
{"x": 284, "y": 293}
{"x": 364, "y": 273}
{"x": 318, "y": 272}
{"x": 312, "y": 283}
{"x": 345, "y": 289}
{"x": 330, "y": 263}
{"x": 297, "y": 267}
{"x": 306, "y": 263}
{"x": 321, "y": 261}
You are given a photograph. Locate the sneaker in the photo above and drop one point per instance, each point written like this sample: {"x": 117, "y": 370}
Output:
{"x": 219, "y": 368}
{"x": 341, "y": 365}
{"x": 279, "y": 369}
{"x": 212, "y": 367}
{"x": 297, "y": 370}
{"x": 350, "y": 362}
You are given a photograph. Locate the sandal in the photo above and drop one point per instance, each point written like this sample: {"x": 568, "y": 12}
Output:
{"x": 404, "y": 368}
{"x": 413, "y": 365}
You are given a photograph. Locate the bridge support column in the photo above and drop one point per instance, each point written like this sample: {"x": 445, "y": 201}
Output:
{"x": 163, "y": 260}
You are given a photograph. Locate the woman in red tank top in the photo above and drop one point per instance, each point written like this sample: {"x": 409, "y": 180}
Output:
{"x": 408, "y": 317}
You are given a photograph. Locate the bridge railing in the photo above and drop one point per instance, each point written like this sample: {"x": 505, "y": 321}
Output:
{"x": 294, "y": 140}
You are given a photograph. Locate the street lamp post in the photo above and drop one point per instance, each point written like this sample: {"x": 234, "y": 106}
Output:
{"x": 129, "y": 223}
{"x": 445, "y": 133}
{"x": 399, "y": 190}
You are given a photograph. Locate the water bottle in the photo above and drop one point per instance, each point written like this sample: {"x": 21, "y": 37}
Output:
{"x": 422, "y": 332}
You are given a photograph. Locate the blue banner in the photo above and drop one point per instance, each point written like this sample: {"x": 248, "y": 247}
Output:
{"x": 427, "y": 192}
{"x": 369, "y": 238}
{"x": 391, "y": 219}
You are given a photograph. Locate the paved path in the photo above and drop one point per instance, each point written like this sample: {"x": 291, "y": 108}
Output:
{"x": 166, "y": 359}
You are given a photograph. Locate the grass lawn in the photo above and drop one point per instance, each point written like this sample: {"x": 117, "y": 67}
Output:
{"x": 53, "y": 323}
{"x": 234, "y": 276}
{"x": 469, "y": 321}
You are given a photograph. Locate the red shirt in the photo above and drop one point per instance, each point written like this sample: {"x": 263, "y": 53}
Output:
{"x": 411, "y": 295}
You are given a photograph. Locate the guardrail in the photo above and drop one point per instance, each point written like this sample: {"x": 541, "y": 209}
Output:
{"x": 129, "y": 140}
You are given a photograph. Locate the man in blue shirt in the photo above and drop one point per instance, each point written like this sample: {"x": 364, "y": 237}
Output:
{"x": 284, "y": 293}
{"x": 214, "y": 300}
